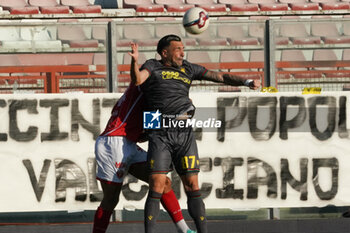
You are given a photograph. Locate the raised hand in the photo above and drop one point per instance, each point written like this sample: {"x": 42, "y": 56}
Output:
{"x": 134, "y": 52}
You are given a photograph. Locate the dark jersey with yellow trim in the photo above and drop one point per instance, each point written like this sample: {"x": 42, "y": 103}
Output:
{"x": 167, "y": 88}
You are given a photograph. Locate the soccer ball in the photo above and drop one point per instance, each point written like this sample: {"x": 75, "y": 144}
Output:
{"x": 195, "y": 20}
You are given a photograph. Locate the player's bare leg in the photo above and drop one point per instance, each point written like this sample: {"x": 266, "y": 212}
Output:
{"x": 195, "y": 204}
{"x": 111, "y": 192}
{"x": 168, "y": 199}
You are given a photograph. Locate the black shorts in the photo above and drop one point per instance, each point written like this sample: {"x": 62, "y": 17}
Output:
{"x": 175, "y": 146}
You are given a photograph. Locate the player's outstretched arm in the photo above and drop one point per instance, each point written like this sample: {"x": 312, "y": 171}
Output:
{"x": 137, "y": 76}
{"x": 230, "y": 79}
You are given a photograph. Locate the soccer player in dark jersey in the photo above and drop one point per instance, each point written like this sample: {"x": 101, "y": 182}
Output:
{"x": 117, "y": 154}
{"x": 165, "y": 84}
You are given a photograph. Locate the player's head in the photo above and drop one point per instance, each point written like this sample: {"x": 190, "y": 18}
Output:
{"x": 171, "y": 50}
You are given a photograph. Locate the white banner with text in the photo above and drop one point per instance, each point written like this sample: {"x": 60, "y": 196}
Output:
{"x": 256, "y": 150}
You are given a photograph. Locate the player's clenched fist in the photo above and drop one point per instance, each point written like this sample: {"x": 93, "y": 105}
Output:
{"x": 255, "y": 84}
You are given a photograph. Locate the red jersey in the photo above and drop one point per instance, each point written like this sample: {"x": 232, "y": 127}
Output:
{"x": 126, "y": 118}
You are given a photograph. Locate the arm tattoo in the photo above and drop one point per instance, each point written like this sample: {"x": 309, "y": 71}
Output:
{"x": 213, "y": 76}
{"x": 233, "y": 80}
{"x": 228, "y": 79}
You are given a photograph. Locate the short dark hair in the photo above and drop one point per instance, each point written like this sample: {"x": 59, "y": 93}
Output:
{"x": 165, "y": 42}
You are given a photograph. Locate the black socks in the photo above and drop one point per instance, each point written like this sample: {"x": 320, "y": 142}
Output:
{"x": 151, "y": 210}
{"x": 196, "y": 209}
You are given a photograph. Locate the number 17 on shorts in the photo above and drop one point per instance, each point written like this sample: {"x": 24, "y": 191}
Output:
{"x": 189, "y": 162}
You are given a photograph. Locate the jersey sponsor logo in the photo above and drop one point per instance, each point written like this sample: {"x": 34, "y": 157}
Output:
{"x": 175, "y": 75}
{"x": 151, "y": 120}
{"x": 120, "y": 165}
{"x": 151, "y": 163}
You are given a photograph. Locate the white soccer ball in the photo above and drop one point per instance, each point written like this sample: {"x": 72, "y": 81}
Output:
{"x": 195, "y": 20}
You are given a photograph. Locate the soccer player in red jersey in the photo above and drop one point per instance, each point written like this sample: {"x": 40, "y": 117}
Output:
{"x": 117, "y": 154}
